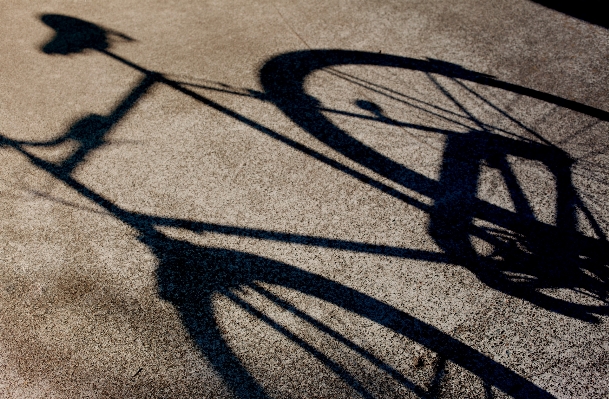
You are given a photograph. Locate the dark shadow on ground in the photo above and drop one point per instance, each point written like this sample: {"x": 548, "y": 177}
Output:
{"x": 593, "y": 11}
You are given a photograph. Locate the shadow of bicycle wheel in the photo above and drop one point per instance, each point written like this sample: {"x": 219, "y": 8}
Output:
{"x": 190, "y": 276}
{"x": 551, "y": 257}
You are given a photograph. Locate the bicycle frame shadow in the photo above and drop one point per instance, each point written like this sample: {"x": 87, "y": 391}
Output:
{"x": 189, "y": 275}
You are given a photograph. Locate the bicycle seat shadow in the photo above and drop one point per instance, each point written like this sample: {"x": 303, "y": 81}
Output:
{"x": 73, "y": 35}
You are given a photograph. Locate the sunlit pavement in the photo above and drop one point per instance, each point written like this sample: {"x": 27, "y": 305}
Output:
{"x": 271, "y": 199}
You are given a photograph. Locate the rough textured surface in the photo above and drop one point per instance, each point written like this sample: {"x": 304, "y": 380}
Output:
{"x": 303, "y": 199}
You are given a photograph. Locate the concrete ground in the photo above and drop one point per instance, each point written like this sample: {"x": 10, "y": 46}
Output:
{"x": 303, "y": 199}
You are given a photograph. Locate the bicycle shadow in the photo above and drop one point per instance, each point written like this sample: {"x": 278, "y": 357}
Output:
{"x": 188, "y": 275}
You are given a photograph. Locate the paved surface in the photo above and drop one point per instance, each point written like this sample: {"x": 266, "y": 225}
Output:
{"x": 302, "y": 199}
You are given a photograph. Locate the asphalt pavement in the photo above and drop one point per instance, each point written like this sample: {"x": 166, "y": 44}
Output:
{"x": 304, "y": 199}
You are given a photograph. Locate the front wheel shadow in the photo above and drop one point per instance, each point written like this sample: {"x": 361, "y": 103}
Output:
{"x": 190, "y": 275}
